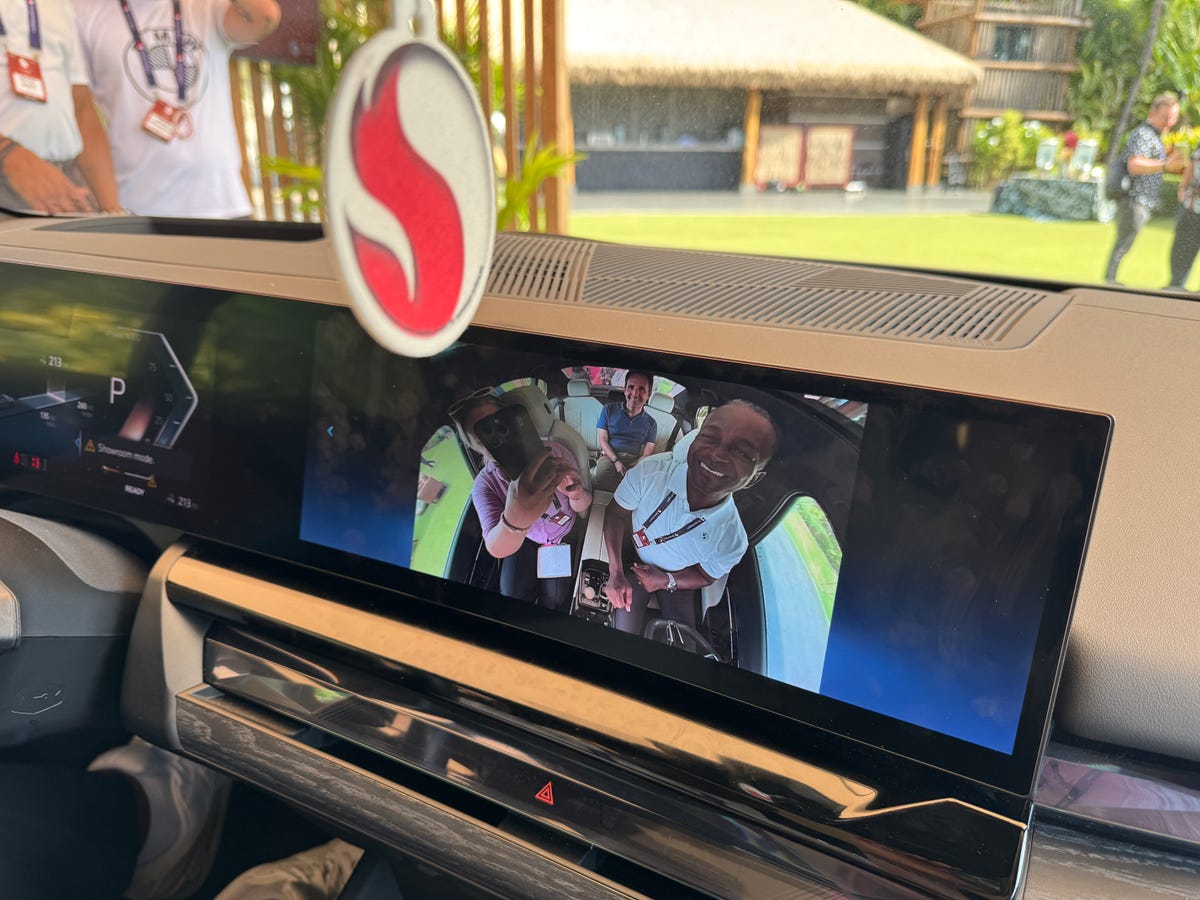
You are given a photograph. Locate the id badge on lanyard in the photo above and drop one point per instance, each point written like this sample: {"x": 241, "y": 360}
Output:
{"x": 166, "y": 122}
{"x": 25, "y": 72}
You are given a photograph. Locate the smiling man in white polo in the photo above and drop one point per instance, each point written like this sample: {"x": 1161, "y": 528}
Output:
{"x": 681, "y": 518}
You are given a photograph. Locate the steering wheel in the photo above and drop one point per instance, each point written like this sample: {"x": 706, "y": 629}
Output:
{"x": 676, "y": 634}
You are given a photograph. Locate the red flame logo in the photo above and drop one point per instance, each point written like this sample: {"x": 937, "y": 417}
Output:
{"x": 419, "y": 198}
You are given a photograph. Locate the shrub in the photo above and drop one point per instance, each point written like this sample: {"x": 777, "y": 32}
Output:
{"x": 1004, "y": 145}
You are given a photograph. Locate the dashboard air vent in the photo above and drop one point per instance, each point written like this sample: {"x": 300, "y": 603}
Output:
{"x": 798, "y": 294}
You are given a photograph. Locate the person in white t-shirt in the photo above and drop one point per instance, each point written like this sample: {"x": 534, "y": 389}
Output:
{"x": 160, "y": 70}
{"x": 54, "y": 155}
{"x": 681, "y": 518}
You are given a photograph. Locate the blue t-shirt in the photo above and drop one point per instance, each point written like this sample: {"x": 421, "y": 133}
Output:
{"x": 627, "y": 436}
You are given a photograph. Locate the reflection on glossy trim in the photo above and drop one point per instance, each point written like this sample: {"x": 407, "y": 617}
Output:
{"x": 1100, "y": 788}
{"x": 768, "y": 798}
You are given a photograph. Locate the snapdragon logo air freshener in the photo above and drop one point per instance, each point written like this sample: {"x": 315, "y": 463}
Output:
{"x": 409, "y": 187}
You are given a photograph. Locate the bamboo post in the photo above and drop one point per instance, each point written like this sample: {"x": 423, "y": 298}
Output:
{"x": 937, "y": 142}
{"x": 512, "y": 161}
{"x": 750, "y": 129}
{"x": 554, "y": 114}
{"x": 532, "y": 91}
{"x": 485, "y": 66}
{"x": 920, "y": 134}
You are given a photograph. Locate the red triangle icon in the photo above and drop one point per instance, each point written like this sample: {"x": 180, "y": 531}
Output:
{"x": 546, "y": 794}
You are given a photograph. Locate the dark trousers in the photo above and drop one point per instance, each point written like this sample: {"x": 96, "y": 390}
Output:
{"x": 518, "y": 579}
{"x": 680, "y": 606}
{"x": 1185, "y": 246}
{"x": 66, "y": 833}
{"x": 1131, "y": 217}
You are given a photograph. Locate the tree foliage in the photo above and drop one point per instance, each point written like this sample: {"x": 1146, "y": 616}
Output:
{"x": 906, "y": 12}
{"x": 1110, "y": 51}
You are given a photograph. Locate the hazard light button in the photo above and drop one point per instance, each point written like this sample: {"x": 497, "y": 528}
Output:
{"x": 546, "y": 794}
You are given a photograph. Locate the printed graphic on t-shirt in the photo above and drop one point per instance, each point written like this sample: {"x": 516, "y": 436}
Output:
{"x": 160, "y": 46}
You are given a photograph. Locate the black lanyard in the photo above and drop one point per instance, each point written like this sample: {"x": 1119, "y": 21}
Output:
{"x": 557, "y": 506}
{"x": 140, "y": 46}
{"x": 678, "y": 532}
{"x": 35, "y": 27}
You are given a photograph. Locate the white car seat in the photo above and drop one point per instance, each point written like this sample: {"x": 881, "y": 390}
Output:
{"x": 662, "y": 409}
{"x": 581, "y": 411}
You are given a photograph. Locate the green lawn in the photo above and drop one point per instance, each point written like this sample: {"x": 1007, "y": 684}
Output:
{"x": 983, "y": 244}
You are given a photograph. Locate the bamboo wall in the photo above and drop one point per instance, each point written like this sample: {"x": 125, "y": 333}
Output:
{"x": 519, "y": 45}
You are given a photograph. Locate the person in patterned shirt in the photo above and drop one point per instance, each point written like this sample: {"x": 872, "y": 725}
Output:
{"x": 1145, "y": 158}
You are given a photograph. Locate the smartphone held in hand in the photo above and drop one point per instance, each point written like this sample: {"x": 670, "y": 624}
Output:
{"x": 511, "y": 438}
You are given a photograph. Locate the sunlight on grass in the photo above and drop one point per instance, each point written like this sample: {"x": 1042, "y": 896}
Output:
{"x": 1073, "y": 252}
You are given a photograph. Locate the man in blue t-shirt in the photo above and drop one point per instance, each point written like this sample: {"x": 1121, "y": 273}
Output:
{"x": 626, "y": 431}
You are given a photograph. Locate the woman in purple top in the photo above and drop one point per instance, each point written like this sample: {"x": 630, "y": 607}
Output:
{"x": 521, "y": 516}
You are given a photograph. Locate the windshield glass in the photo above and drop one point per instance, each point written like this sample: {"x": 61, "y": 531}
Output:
{"x": 1034, "y": 139}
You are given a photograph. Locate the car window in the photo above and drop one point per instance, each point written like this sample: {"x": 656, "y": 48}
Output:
{"x": 607, "y": 376}
{"x": 977, "y": 136}
{"x": 798, "y": 562}
{"x": 443, "y": 494}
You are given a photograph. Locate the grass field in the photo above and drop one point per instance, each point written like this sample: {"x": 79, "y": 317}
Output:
{"x": 1073, "y": 252}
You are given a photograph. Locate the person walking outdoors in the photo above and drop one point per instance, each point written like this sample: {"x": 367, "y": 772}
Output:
{"x": 1187, "y": 225}
{"x": 1145, "y": 159}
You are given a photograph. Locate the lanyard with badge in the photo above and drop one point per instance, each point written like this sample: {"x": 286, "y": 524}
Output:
{"x": 554, "y": 560}
{"x": 641, "y": 540}
{"x": 25, "y": 72}
{"x": 165, "y": 121}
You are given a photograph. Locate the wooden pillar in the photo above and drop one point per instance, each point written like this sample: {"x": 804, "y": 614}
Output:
{"x": 937, "y": 142}
{"x": 512, "y": 161}
{"x": 460, "y": 23}
{"x": 485, "y": 65}
{"x": 750, "y": 127}
{"x": 920, "y": 134}
{"x": 532, "y": 92}
{"x": 555, "y": 115}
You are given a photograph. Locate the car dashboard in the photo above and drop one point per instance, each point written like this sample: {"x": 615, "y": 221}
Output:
{"x": 954, "y": 660}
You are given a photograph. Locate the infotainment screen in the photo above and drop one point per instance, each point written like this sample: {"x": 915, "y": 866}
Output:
{"x": 847, "y": 554}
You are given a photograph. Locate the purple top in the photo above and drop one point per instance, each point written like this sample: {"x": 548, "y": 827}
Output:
{"x": 490, "y": 490}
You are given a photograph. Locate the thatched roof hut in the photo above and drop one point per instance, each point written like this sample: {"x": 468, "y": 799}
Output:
{"x": 822, "y": 47}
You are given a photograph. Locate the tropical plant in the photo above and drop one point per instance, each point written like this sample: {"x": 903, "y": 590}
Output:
{"x": 346, "y": 27}
{"x": 1108, "y": 60}
{"x": 1006, "y": 144}
{"x": 536, "y": 166}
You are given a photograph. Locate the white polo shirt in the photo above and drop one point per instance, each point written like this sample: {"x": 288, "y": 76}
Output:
{"x": 717, "y": 544}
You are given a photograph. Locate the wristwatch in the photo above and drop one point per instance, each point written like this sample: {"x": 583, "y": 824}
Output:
{"x": 671, "y": 584}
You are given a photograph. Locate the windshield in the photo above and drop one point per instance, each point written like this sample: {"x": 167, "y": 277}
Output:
{"x": 1044, "y": 140}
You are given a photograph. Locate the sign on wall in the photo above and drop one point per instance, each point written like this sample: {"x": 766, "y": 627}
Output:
{"x": 780, "y": 157}
{"x": 828, "y": 155}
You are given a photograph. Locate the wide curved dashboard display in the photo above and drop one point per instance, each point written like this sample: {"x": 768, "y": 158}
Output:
{"x": 872, "y": 578}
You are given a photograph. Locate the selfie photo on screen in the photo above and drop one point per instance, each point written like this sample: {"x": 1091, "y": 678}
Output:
{"x": 726, "y": 503}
